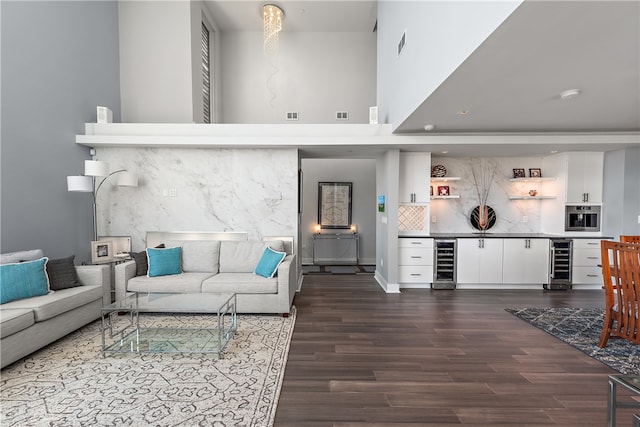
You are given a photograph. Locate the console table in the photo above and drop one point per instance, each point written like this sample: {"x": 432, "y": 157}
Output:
{"x": 628, "y": 382}
{"x": 337, "y": 248}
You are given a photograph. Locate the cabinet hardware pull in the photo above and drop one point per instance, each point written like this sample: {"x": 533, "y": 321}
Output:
{"x": 592, "y": 257}
{"x": 416, "y": 274}
{"x": 592, "y": 243}
{"x": 592, "y": 275}
{"x": 414, "y": 256}
{"x": 416, "y": 243}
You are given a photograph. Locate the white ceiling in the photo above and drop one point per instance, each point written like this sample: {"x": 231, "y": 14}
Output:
{"x": 512, "y": 82}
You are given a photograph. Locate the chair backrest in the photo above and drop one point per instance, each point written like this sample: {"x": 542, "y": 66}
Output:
{"x": 629, "y": 239}
{"x": 621, "y": 274}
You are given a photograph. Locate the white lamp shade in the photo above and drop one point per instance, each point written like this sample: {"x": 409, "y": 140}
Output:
{"x": 127, "y": 179}
{"x": 96, "y": 168}
{"x": 80, "y": 183}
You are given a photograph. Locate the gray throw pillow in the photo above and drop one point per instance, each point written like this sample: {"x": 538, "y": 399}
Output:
{"x": 142, "y": 263}
{"x": 62, "y": 273}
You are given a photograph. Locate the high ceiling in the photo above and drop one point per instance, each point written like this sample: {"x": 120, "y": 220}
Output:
{"x": 513, "y": 81}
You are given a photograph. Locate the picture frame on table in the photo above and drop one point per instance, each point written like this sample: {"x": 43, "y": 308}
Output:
{"x": 101, "y": 251}
{"x": 535, "y": 173}
{"x": 519, "y": 173}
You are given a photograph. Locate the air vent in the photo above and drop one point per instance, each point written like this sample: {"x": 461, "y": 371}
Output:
{"x": 342, "y": 115}
{"x": 292, "y": 115}
{"x": 403, "y": 41}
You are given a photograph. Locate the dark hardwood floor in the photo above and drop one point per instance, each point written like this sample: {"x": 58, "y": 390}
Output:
{"x": 360, "y": 357}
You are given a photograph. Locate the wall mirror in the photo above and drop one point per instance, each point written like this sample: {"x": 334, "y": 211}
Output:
{"x": 334, "y": 205}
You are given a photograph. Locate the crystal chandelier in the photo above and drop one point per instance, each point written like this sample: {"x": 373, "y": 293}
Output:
{"x": 272, "y": 17}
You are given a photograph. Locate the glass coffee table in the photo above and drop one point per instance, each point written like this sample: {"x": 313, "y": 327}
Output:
{"x": 145, "y": 322}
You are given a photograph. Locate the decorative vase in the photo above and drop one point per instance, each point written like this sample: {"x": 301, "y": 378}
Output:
{"x": 483, "y": 217}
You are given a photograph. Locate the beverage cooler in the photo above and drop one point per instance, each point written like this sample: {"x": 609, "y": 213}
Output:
{"x": 561, "y": 264}
{"x": 444, "y": 265}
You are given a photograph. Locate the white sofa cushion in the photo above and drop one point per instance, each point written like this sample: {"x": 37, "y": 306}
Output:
{"x": 198, "y": 256}
{"x": 21, "y": 256}
{"x": 15, "y": 320}
{"x": 178, "y": 283}
{"x": 47, "y": 306}
{"x": 242, "y": 257}
{"x": 240, "y": 283}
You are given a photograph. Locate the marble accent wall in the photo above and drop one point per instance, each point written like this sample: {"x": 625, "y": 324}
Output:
{"x": 252, "y": 190}
{"x": 452, "y": 215}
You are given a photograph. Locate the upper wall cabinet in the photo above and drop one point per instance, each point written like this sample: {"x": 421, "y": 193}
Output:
{"x": 584, "y": 177}
{"x": 415, "y": 173}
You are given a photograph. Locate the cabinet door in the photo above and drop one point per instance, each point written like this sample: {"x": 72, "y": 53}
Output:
{"x": 491, "y": 261}
{"x": 468, "y": 262}
{"x": 479, "y": 261}
{"x": 584, "y": 177}
{"x": 526, "y": 261}
{"x": 414, "y": 177}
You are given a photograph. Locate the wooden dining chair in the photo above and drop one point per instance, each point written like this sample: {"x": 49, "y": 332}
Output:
{"x": 629, "y": 239}
{"x": 621, "y": 274}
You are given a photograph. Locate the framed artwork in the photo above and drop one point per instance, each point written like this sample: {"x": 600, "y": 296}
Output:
{"x": 443, "y": 190}
{"x": 535, "y": 173}
{"x": 519, "y": 173}
{"x": 101, "y": 251}
{"x": 334, "y": 204}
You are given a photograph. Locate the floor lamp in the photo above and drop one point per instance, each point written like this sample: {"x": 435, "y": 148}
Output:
{"x": 93, "y": 170}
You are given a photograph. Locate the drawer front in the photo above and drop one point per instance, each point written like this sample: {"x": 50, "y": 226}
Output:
{"x": 415, "y": 243}
{"x": 586, "y": 257}
{"x": 415, "y": 274}
{"x": 587, "y": 275}
{"x": 415, "y": 256}
{"x": 586, "y": 244}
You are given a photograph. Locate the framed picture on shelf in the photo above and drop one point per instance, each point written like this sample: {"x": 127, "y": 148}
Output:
{"x": 119, "y": 244}
{"x": 535, "y": 173}
{"x": 101, "y": 251}
{"x": 443, "y": 190}
{"x": 519, "y": 173}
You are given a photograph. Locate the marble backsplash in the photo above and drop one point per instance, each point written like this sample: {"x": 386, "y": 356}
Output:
{"x": 513, "y": 216}
{"x": 193, "y": 189}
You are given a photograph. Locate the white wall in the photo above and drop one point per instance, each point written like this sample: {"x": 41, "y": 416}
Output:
{"x": 155, "y": 61}
{"x": 216, "y": 190}
{"x": 440, "y": 36}
{"x": 360, "y": 172}
{"x": 317, "y": 75}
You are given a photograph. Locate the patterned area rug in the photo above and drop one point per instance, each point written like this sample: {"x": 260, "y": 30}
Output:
{"x": 581, "y": 328}
{"x": 69, "y": 383}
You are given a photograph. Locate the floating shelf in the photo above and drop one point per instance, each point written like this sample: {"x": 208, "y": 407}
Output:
{"x": 531, "y": 197}
{"x": 445, "y": 197}
{"x": 532, "y": 179}
{"x": 445, "y": 178}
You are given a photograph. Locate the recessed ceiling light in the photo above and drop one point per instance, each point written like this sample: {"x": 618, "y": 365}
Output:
{"x": 463, "y": 112}
{"x": 445, "y": 152}
{"x": 570, "y": 94}
{"x": 554, "y": 151}
{"x": 429, "y": 127}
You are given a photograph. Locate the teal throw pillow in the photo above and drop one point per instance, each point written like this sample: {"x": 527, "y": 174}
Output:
{"x": 23, "y": 280}
{"x": 269, "y": 262}
{"x": 164, "y": 262}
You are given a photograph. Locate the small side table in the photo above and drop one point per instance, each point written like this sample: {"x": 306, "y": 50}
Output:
{"x": 629, "y": 382}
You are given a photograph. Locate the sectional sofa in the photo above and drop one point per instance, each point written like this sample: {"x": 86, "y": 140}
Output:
{"x": 66, "y": 298}
{"x": 211, "y": 263}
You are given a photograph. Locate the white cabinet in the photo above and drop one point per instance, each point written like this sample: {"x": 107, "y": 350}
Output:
{"x": 415, "y": 173}
{"x": 584, "y": 177}
{"x": 415, "y": 260}
{"x": 586, "y": 262}
{"x": 526, "y": 261}
{"x": 479, "y": 260}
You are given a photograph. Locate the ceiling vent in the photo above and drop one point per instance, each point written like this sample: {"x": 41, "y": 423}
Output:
{"x": 342, "y": 115}
{"x": 402, "y": 42}
{"x": 292, "y": 115}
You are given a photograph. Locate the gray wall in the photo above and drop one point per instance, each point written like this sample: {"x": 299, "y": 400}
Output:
{"x": 621, "y": 188}
{"x": 362, "y": 173}
{"x": 59, "y": 61}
